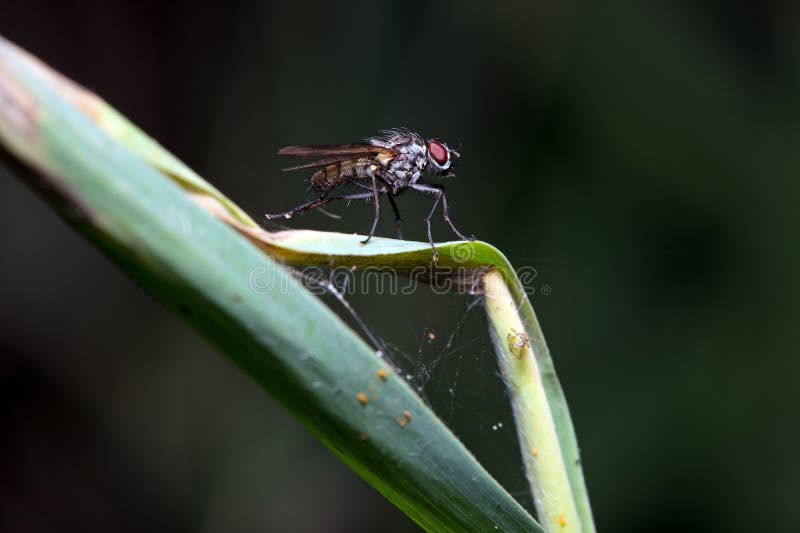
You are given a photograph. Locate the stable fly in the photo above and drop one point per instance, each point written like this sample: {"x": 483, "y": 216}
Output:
{"x": 387, "y": 164}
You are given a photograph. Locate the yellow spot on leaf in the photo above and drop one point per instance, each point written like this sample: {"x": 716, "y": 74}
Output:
{"x": 362, "y": 398}
{"x": 405, "y": 420}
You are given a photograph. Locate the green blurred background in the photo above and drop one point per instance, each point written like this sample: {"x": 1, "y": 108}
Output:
{"x": 642, "y": 157}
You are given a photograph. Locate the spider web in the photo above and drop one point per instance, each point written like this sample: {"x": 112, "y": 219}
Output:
{"x": 446, "y": 355}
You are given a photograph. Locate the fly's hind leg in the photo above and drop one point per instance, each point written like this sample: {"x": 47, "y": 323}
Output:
{"x": 319, "y": 202}
{"x": 308, "y": 206}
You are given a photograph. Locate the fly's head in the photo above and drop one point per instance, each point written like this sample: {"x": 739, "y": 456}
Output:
{"x": 441, "y": 158}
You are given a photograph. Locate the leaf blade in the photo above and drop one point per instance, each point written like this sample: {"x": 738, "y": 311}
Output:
{"x": 286, "y": 340}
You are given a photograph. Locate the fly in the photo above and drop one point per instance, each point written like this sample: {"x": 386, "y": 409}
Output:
{"x": 388, "y": 164}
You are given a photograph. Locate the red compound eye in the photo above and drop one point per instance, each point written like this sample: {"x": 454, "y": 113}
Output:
{"x": 438, "y": 152}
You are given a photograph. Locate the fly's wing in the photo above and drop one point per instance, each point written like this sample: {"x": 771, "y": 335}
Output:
{"x": 336, "y": 153}
{"x": 358, "y": 150}
{"x": 322, "y": 162}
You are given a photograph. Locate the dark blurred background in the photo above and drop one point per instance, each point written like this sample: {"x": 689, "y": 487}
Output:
{"x": 643, "y": 157}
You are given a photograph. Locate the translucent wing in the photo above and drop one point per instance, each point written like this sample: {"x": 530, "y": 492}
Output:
{"x": 322, "y": 162}
{"x": 337, "y": 153}
{"x": 358, "y": 150}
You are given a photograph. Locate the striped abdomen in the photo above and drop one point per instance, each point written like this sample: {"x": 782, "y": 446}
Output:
{"x": 332, "y": 175}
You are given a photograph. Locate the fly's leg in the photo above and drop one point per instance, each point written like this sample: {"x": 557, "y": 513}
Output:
{"x": 319, "y": 202}
{"x": 377, "y": 209}
{"x": 438, "y": 193}
{"x": 388, "y": 191}
{"x": 397, "y": 219}
{"x": 438, "y": 190}
{"x": 308, "y": 206}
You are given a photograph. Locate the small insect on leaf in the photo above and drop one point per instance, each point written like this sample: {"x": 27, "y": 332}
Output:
{"x": 362, "y": 398}
{"x": 383, "y": 374}
{"x": 387, "y": 164}
{"x": 517, "y": 342}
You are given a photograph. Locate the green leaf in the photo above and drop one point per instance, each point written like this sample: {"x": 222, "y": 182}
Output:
{"x": 130, "y": 198}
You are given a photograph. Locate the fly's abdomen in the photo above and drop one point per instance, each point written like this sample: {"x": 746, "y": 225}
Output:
{"x": 338, "y": 173}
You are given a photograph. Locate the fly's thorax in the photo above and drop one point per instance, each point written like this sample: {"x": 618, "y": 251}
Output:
{"x": 412, "y": 157}
{"x": 407, "y": 168}
{"x": 398, "y": 140}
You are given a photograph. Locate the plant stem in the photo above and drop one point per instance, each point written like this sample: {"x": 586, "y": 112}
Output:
{"x": 541, "y": 451}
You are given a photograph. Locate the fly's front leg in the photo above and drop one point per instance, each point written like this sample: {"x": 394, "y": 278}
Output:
{"x": 438, "y": 194}
{"x": 438, "y": 190}
{"x": 446, "y": 213}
